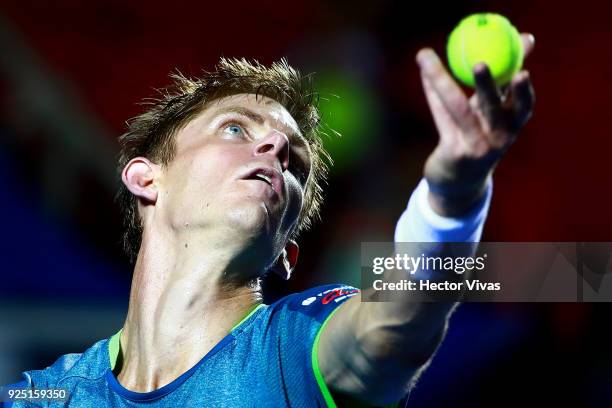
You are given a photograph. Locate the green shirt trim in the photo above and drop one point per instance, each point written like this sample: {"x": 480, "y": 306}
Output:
{"x": 329, "y": 400}
{"x": 114, "y": 346}
{"x": 245, "y": 318}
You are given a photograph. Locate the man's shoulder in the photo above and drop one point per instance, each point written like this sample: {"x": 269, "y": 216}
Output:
{"x": 317, "y": 302}
{"x": 90, "y": 364}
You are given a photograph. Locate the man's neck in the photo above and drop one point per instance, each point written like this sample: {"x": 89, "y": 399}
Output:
{"x": 181, "y": 306}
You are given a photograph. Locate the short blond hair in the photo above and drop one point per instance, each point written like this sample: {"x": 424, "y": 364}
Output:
{"x": 151, "y": 134}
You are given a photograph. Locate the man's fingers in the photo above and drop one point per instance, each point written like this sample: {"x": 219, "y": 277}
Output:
{"x": 521, "y": 99}
{"x": 451, "y": 95}
{"x": 489, "y": 98}
{"x": 528, "y": 41}
{"x": 444, "y": 122}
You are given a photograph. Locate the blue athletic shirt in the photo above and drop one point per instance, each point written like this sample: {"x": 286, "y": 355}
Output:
{"x": 267, "y": 360}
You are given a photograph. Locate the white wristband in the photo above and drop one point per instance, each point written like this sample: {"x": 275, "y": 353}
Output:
{"x": 420, "y": 223}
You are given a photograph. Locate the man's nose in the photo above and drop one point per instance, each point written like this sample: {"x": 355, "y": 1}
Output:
{"x": 277, "y": 144}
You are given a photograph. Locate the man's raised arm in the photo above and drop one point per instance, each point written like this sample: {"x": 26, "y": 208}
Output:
{"x": 373, "y": 351}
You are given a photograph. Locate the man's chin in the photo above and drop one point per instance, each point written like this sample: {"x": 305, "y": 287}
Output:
{"x": 252, "y": 219}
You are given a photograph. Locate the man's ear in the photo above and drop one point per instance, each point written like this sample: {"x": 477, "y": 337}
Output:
{"x": 286, "y": 260}
{"x": 139, "y": 176}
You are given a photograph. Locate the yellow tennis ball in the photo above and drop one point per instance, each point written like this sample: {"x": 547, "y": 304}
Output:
{"x": 488, "y": 38}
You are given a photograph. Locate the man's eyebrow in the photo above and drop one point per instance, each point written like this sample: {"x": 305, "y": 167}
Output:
{"x": 243, "y": 112}
{"x": 295, "y": 137}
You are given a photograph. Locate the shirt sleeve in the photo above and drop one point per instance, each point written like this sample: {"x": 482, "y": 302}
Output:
{"x": 420, "y": 223}
{"x": 307, "y": 314}
{"x": 295, "y": 324}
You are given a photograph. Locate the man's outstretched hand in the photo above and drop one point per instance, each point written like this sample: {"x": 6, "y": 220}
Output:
{"x": 474, "y": 132}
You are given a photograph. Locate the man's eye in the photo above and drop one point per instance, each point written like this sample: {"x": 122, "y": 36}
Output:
{"x": 234, "y": 130}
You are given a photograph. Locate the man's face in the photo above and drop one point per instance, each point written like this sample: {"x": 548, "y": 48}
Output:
{"x": 240, "y": 166}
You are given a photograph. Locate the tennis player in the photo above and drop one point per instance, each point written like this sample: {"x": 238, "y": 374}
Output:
{"x": 220, "y": 176}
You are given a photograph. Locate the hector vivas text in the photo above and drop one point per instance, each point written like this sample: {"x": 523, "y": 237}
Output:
{"x": 426, "y": 272}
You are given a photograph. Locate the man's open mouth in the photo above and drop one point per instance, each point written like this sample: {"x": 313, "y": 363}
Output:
{"x": 263, "y": 177}
{"x": 268, "y": 175}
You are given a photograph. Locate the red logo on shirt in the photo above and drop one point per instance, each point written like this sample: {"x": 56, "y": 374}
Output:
{"x": 336, "y": 293}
